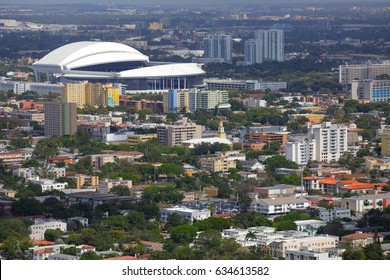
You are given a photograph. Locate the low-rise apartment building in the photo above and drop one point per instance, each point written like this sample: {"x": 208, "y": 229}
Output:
{"x": 319, "y": 243}
{"x": 278, "y": 205}
{"x": 188, "y": 214}
{"x": 41, "y": 225}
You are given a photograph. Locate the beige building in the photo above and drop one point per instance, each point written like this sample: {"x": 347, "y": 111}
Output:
{"x": 380, "y": 164}
{"x": 180, "y": 100}
{"x": 385, "y": 142}
{"x": 173, "y": 135}
{"x": 154, "y": 26}
{"x": 360, "y": 239}
{"x": 108, "y": 184}
{"x": 86, "y": 94}
{"x": 81, "y": 179}
{"x": 217, "y": 164}
{"x": 134, "y": 140}
{"x": 313, "y": 118}
{"x": 317, "y": 243}
{"x": 60, "y": 119}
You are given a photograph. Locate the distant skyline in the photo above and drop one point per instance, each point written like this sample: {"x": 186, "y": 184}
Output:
{"x": 186, "y": 2}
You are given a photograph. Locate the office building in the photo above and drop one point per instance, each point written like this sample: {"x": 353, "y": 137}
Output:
{"x": 60, "y": 119}
{"x": 367, "y": 71}
{"x": 21, "y": 87}
{"x": 218, "y": 47}
{"x": 244, "y": 84}
{"x": 172, "y": 135}
{"x": 370, "y": 90}
{"x": 268, "y": 45}
{"x": 255, "y": 103}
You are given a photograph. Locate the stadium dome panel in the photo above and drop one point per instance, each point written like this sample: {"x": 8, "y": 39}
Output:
{"x": 83, "y": 54}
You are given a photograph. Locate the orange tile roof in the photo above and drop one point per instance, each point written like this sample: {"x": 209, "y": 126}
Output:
{"x": 358, "y": 186}
{"x": 358, "y": 236}
{"x": 329, "y": 181}
{"x": 312, "y": 178}
{"x": 42, "y": 242}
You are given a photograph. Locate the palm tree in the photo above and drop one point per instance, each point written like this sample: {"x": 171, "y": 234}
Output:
{"x": 251, "y": 235}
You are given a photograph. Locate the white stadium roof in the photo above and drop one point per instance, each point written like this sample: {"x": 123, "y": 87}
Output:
{"x": 81, "y": 54}
{"x": 166, "y": 70}
{"x": 71, "y": 62}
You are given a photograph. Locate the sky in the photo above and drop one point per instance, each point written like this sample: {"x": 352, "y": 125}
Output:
{"x": 200, "y": 2}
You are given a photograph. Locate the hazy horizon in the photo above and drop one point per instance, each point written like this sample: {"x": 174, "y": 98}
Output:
{"x": 184, "y": 2}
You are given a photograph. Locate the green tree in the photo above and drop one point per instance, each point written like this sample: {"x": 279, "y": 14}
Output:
{"x": 278, "y": 162}
{"x": 250, "y": 236}
{"x": 12, "y": 227}
{"x": 175, "y": 220}
{"x": 90, "y": 255}
{"x": 53, "y": 234}
{"x": 46, "y": 148}
{"x": 121, "y": 190}
{"x": 284, "y": 225}
{"x": 84, "y": 165}
{"x": 27, "y": 207}
{"x": 209, "y": 241}
{"x": 183, "y": 234}
{"x": 373, "y": 251}
{"x": 291, "y": 180}
{"x": 19, "y": 141}
{"x": 245, "y": 202}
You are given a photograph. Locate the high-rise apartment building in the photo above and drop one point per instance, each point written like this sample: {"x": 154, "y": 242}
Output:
{"x": 176, "y": 101}
{"x": 60, "y": 118}
{"x": 172, "y": 135}
{"x": 207, "y": 99}
{"x": 385, "y": 142}
{"x": 301, "y": 152}
{"x": 325, "y": 142}
{"x": 218, "y": 47}
{"x": 331, "y": 140}
{"x": 268, "y": 45}
{"x": 90, "y": 94}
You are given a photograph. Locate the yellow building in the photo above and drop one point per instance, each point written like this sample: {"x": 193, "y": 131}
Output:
{"x": 112, "y": 94}
{"x": 313, "y": 118}
{"x": 155, "y": 26}
{"x": 313, "y": 109}
{"x": 217, "y": 164}
{"x": 134, "y": 140}
{"x": 211, "y": 191}
{"x": 88, "y": 94}
{"x": 81, "y": 179}
{"x": 385, "y": 142}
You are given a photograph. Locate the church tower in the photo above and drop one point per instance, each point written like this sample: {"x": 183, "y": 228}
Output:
{"x": 221, "y": 129}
